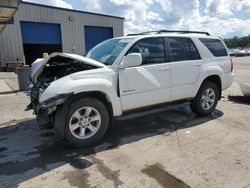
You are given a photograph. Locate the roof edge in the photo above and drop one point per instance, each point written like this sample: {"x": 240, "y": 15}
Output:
{"x": 71, "y": 10}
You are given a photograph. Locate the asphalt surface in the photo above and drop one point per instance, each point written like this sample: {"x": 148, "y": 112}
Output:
{"x": 170, "y": 147}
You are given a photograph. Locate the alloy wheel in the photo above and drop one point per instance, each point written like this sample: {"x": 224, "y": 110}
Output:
{"x": 84, "y": 122}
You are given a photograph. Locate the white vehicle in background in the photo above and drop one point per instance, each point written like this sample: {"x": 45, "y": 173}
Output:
{"x": 239, "y": 52}
{"x": 247, "y": 51}
{"x": 245, "y": 88}
{"x": 78, "y": 96}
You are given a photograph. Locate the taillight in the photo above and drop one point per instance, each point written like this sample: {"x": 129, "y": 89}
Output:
{"x": 232, "y": 64}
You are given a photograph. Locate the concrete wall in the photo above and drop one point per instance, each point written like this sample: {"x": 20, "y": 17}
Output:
{"x": 11, "y": 45}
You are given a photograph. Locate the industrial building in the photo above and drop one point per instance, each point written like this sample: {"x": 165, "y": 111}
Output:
{"x": 35, "y": 29}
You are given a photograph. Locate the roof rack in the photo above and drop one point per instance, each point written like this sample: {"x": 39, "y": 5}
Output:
{"x": 168, "y": 31}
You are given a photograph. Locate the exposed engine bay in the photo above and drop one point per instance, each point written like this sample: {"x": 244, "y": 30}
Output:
{"x": 56, "y": 67}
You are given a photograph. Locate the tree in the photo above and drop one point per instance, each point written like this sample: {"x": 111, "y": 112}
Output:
{"x": 238, "y": 42}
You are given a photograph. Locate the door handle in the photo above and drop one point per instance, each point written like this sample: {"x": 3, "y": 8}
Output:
{"x": 164, "y": 69}
{"x": 197, "y": 64}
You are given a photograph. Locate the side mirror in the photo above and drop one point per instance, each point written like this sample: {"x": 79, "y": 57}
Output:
{"x": 131, "y": 60}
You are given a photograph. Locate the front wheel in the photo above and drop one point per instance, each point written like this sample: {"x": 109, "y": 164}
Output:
{"x": 86, "y": 122}
{"x": 206, "y": 99}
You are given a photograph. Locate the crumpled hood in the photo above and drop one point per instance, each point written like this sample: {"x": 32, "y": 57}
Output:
{"x": 38, "y": 65}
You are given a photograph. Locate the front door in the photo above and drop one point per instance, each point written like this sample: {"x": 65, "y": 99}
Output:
{"x": 148, "y": 83}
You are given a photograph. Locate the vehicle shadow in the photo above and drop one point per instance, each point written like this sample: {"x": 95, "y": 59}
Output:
{"x": 240, "y": 99}
{"x": 26, "y": 152}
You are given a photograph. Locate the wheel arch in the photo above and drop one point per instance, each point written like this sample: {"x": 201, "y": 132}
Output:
{"x": 95, "y": 94}
{"x": 216, "y": 79}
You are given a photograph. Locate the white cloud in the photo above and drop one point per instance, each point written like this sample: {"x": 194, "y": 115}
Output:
{"x": 242, "y": 5}
{"x": 154, "y": 16}
{"x": 226, "y": 7}
{"x": 218, "y": 7}
{"x": 165, "y": 4}
{"x": 57, "y": 3}
{"x": 217, "y": 26}
{"x": 137, "y": 13}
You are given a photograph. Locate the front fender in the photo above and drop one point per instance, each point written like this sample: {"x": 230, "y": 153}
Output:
{"x": 68, "y": 85}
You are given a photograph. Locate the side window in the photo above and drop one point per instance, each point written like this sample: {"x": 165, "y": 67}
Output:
{"x": 178, "y": 49}
{"x": 215, "y": 46}
{"x": 151, "y": 49}
{"x": 182, "y": 49}
{"x": 193, "y": 50}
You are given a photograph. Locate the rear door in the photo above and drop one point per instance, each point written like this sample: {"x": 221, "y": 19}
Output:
{"x": 148, "y": 83}
{"x": 185, "y": 64}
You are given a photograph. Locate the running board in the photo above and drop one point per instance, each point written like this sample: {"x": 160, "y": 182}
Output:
{"x": 150, "y": 110}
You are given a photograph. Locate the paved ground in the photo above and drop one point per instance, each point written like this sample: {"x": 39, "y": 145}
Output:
{"x": 12, "y": 102}
{"x": 171, "y": 148}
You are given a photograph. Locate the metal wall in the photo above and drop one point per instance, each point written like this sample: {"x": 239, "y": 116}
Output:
{"x": 72, "y": 28}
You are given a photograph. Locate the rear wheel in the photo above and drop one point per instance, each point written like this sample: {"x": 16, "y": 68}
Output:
{"x": 86, "y": 122}
{"x": 206, "y": 99}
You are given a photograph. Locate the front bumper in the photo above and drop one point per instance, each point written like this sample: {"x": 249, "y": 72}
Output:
{"x": 52, "y": 103}
{"x": 44, "y": 111}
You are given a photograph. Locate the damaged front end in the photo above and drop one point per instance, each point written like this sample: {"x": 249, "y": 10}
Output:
{"x": 48, "y": 70}
{"x": 44, "y": 110}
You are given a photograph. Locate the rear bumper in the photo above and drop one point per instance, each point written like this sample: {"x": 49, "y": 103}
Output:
{"x": 227, "y": 80}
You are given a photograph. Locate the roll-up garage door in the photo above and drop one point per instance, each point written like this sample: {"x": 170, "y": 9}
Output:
{"x": 95, "y": 35}
{"x": 39, "y": 38}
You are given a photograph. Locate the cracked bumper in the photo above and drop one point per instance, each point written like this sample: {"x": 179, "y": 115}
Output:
{"x": 45, "y": 109}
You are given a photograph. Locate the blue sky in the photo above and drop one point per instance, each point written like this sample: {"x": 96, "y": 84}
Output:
{"x": 223, "y": 17}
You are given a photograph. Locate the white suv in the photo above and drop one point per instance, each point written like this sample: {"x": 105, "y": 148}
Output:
{"x": 78, "y": 96}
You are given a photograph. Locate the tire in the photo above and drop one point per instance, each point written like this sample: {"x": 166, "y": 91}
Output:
{"x": 204, "y": 104}
{"x": 85, "y": 122}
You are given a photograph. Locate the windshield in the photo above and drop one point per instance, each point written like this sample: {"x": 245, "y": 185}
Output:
{"x": 107, "y": 51}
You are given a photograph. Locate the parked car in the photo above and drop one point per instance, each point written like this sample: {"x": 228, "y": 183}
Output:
{"x": 247, "y": 51}
{"x": 239, "y": 52}
{"x": 79, "y": 96}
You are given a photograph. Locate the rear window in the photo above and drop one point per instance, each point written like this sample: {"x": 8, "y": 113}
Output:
{"x": 215, "y": 46}
{"x": 182, "y": 49}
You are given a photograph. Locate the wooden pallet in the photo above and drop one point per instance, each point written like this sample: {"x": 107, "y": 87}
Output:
{"x": 11, "y": 66}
